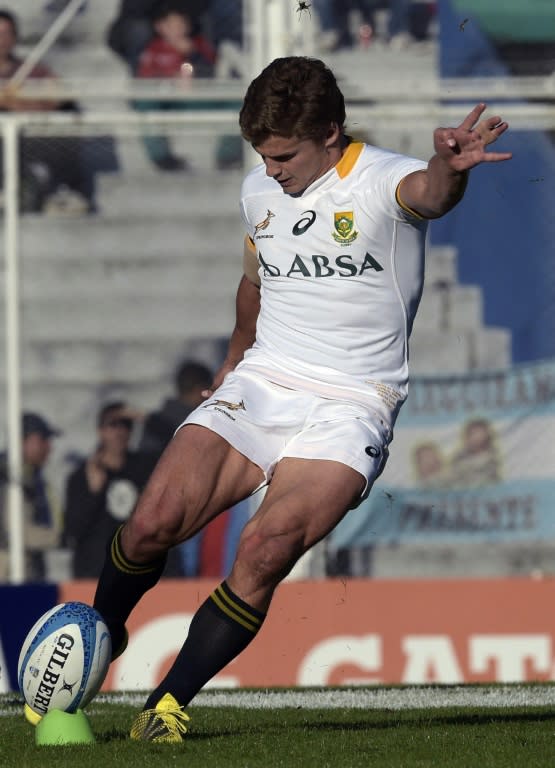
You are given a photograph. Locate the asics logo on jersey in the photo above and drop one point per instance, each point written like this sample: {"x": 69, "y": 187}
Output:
{"x": 318, "y": 265}
{"x": 265, "y": 223}
{"x": 309, "y": 217}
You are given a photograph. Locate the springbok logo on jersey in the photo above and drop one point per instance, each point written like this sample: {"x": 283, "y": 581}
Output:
{"x": 226, "y": 404}
{"x": 232, "y": 406}
{"x": 345, "y": 232}
{"x": 224, "y": 407}
{"x": 264, "y": 224}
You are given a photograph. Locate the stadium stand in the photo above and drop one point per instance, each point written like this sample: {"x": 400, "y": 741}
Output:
{"x": 110, "y": 302}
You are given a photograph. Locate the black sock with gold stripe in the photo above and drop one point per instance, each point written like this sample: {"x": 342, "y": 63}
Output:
{"x": 121, "y": 585}
{"x": 222, "y": 627}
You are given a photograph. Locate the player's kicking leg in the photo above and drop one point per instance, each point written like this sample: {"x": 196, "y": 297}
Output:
{"x": 198, "y": 476}
{"x": 305, "y": 500}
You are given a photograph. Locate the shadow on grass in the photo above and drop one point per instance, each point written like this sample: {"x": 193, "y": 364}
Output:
{"x": 373, "y": 722}
{"x": 107, "y": 737}
{"x": 487, "y": 718}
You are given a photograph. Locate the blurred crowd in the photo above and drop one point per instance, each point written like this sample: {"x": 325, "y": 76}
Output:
{"x": 102, "y": 488}
{"x": 174, "y": 39}
{"x": 181, "y": 39}
{"x": 351, "y": 23}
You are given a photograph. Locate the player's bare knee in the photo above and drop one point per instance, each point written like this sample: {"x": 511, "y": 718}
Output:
{"x": 154, "y": 529}
{"x": 268, "y": 554}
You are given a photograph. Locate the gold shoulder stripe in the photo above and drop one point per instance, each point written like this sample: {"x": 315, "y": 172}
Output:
{"x": 350, "y": 156}
{"x": 403, "y": 205}
{"x": 234, "y": 611}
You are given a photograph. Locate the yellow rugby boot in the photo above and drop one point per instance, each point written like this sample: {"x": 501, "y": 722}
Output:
{"x": 166, "y": 723}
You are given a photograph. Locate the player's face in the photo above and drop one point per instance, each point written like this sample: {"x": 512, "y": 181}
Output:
{"x": 296, "y": 163}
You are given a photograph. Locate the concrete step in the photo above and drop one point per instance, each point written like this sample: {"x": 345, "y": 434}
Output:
{"x": 59, "y": 273}
{"x": 81, "y": 361}
{"x": 441, "y": 265}
{"x": 145, "y": 358}
{"x": 450, "y": 307}
{"x": 458, "y": 351}
{"x": 105, "y": 256}
{"x": 58, "y": 351}
{"x": 198, "y": 145}
{"x": 202, "y": 309}
{"x": 492, "y": 349}
{"x": 69, "y": 383}
{"x": 155, "y": 196}
{"x": 99, "y": 361}
{"x": 60, "y": 282}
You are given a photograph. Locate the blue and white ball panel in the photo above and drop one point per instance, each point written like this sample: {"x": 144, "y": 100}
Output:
{"x": 64, "y": 658}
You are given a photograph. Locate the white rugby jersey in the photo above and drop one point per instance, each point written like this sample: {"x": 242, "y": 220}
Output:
{"x": 341, "y": 269}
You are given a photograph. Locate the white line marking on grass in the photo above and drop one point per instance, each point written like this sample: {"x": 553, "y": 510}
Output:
{"x": 417, "y": 697}
{"x": 410, "y": 697}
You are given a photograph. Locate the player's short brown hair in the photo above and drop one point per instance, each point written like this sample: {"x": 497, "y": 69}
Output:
{"x": 293, "y": 96}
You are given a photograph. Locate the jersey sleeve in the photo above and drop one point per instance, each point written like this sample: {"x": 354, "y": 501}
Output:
{"x": 387, "y": 188}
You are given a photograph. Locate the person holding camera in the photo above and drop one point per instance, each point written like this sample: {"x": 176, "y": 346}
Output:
{"x": 103, "y": 489}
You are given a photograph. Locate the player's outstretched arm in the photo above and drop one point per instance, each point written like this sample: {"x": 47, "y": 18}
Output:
{"x": 457, "y": 150}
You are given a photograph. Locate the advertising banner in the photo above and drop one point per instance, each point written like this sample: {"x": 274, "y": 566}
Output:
{"x": 356, "y": 632}
{"x": 20, "y": 607}
{"x": 473, "y": 456}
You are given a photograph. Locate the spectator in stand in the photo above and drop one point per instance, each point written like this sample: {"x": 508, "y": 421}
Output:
{"x": 342, "y": 10}
{"x": 327, "y": 19}
{"x": 102, "y": 491}
{"x": 47, "y": 166}
{"x": 177, "y": 50}
{"x": 192, "y": 378}
{"x": 408, "y": 21}
{"x": 41, "y": 509}
{"x": 225, "y": 20}
{"x": 225, "y": 24}
{"x": 131, "y": 30}
{"x": 217, "y": 26}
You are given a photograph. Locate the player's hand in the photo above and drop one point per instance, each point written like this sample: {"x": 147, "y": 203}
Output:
{"x": 219, "y": 376}
{"x": 464, "y": 147}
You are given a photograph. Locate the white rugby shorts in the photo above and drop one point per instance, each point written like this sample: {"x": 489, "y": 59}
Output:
{"x": 267, "y": 422}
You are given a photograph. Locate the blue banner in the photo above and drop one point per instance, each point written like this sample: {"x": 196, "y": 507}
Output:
{"x": 473, "y": 456}
{"x": 20, "y": 607}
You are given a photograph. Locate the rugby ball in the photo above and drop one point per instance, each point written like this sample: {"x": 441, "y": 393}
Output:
{"x": 64, "y": 658}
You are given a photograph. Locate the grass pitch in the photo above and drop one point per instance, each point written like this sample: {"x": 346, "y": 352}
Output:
{"x": 448, "y": 726}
